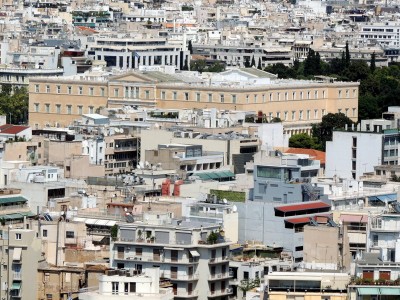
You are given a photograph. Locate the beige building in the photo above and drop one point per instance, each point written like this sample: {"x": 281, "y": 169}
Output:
{"x": 20, "y": 253}
{"x": 59, "y": 101}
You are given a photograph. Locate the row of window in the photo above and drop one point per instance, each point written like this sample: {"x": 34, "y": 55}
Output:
{"x": 278, "y": 96}
{"x": 69, "y": 90}
{"x": 68, "y": 109}
{"x": 308, "y": 114}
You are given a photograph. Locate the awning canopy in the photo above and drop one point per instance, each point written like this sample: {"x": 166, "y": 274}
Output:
{"x": 17, "y": 254}
{"x": 354, "y": 218}
{"x": 368, "y": 291}
{"x": 16, "y": 285}
{"x": 303, "y": 206}
{"x": 17, "y": 216}
{"x": 172, "y": 248}
{"x": 390, "y": 291}
{"x": 389, "y": 198}
{"x": 9, "y": 200}
{"x": 303, "y": 220}
{"x": 194, "y": 253}
{"x": 215, "y": 175}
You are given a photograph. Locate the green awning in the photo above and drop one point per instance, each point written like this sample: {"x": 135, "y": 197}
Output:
{"x": 390, "y": 291}
{"x": 17, "y": 216}
{"x": 16, "y": 285}
{"x": 215, "y": 175}
{"x": 368, "y": 291}
{"x": 8, "y": 200}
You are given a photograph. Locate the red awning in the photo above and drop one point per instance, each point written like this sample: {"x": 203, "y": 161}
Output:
{"x": 303, "y": 206}
{"x": 354, "y": 218}
{"x": 303, "y": 220}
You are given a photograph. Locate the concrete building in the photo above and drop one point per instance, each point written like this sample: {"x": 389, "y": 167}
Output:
{"x": 304, "y": 285}
{"x": 196, "y": 267}
{"x": 352, "y": 153}
{"x": 117, "y": 284}
{"x": 295, "y": 102}
{"x": 20, "y": 253}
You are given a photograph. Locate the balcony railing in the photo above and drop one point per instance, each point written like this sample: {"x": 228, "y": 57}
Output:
{"x": 216, "y": 260}
{"x": 220, "y": 276}
{"x": 217, "y": 293}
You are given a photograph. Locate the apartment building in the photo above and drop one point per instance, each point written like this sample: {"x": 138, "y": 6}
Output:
{"x": 238, "y": 55}
{"x": 20, "y": 253}
{"x": 57, "y": 102}
{"x": 122, "y": 284}
{"x": 356, "y": 151}
{"x": 193, "y": 256}
{"x": 385, "y": 34}
{"x": 306, "y": 285}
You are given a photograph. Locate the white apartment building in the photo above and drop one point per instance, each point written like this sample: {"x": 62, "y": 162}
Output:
{"x": 122, "y": 284}
{"x": 193, "y": 256}
{"x": 385, "y": 34}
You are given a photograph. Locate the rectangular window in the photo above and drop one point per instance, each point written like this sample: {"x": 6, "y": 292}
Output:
{"x": 308, "y": 114}
{"x": 233, "y": 98}
{"x": 175, "y": 95}
{"x": 36, "y": 88}
{"x": 315, "y": 94}
{"x": 18, "y": 236}
{"x": 270, "y": 97}
{"x": 323, "y": 112}
{"x": 47, "y": 89}
{"x": 315, "y": 113}
{"x": 323, "y": 94}
{"x": 340, "y": 93}
{"x": 210, "y": 97}
{"x": 102, "y": 92}
{"x": 80, "y": 90}
{"x": 36, "y": 107}
{"x": 285, "y": 115}
{"x": 198, "y": 97}
{"x": 222, "y": 98}
{"x": 163, "y": 95}
{"x": 294, "y": 96}
{"x": 47, "y": 106}
{"x": 301, "y": 95}
{"x": 116, "y": 92}
{"x": 186, "y": 96}
{"x": 80, "y": 109}
{"x": 247, "y": 98}
{"x": 147, "y": 94}
{"x": 300, "y": 115}
{"x": 69, "y": 90}
{"x": 263, "y": 98}
{"x": 69, "y": 234}
{"x": 286, "y": 96}
{"x": 293, "y": 115}
{"x": 44, "y": 233}
{"x": 255, "y": 98}
{"x": 58, "y": 108}
{"x": 115, "y": 288}
{"x": 347, "y": 93}
{"x": 58, "y": 89}
{"x": 69, "y": 109}
{"x": 91, "y": 91}
{"x": 91, "y": 109}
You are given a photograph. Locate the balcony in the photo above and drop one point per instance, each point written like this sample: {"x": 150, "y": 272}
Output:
{"x": 17, "y": 276}
{"x": 219, "y": 293}
{"x": 180, "y": 277}
{"x": 218, "y": 260}
{"x": 220, "y": 276}
{"x": 190, "y": 294}
{"x": 124, "y": 148}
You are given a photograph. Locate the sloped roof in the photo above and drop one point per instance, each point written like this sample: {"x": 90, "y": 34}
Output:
{"x": 303, "y": 206}
{"x": 12, "y": 129}
{"x": 316, "y": 154}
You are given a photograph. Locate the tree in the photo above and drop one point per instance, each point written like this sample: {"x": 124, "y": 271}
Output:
{"x": 114, "y": 232}
{"x": 323, "y": 131}
{"x": 216, "y": 67}
{"x": 247, "y": 63}
{"x": 253, "y": 62}
{"x": 347, "y": 55}
{"x": 198, "y": 65}
{"x": 302, "y": 140}
{"x": 190, "y": 47}
{"x": 372, "y": 64}
{"x": 259, "y": 64}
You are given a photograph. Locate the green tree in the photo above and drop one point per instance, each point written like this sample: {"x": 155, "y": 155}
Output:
{"x": 247, "y": 63}
{"x": 259, "y": 64}
{"x": 372, "y": 64}
{"x": 302, "y": 140}
{"x": 198, "y": 65}
{"x": 348, "y": 58}
{"x": 190, "y": 47}
{"x": 216, "y": 67}
{"x": 323, "y": 131}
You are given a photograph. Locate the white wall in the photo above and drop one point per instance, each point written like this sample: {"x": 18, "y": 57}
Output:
{"x": 339, "y": 153}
